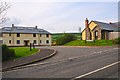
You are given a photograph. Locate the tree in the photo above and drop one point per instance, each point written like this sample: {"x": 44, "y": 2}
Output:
{"x": 3, "y": 11}
{"x": 80, "y": 32}
{"x": 64, "y": 39}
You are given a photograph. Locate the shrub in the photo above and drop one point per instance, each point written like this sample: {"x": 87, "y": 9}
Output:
{"x": 53, "y": 44}
{"x": 64, "y": 39}
{"x": 7, "y": 53}
{"x": 117, "y": 40}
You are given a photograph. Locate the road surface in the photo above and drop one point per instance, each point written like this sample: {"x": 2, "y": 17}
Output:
{"x": 73, "y": 63}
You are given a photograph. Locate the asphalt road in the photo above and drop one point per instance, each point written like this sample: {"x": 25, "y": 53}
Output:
{"x": 73, "y": 63}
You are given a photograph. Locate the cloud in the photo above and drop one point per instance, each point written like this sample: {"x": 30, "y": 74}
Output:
{"x": 13, "y": 20}
{"x": 60, "y": 16}
{"x": 63, "y": 0}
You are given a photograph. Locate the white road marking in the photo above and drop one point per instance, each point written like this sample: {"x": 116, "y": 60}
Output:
{"x": 96, "y": 70}
{"x": 63, "y": 60}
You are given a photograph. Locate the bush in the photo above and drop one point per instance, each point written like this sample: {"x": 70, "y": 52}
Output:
{"x": 64, "y": 39}
{"x": 117, "y": 40}
{"x": 7, "y": 53}
{"x": 53, "y": 44}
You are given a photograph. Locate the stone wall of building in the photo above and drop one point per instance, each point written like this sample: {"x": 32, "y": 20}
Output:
{"x": 99, "y": 33}
{"x": 113, "y": 35}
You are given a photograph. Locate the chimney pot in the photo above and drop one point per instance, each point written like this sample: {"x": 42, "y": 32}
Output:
{"x": 110, "y": 23}
{"x": 12, "y": 25}
{"x": 86, "y": 23}
{"x": 36, "y": 27}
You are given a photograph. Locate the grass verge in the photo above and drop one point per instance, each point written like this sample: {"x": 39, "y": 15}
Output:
{"x": 90, "y": 43}
{"x": 23, "y": 51}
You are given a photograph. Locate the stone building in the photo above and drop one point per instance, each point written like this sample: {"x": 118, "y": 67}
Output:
{"x": 99, "y": 30}
{"x": 23, "y": 36}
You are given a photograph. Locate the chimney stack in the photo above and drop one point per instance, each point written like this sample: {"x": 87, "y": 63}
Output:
{"x": 86, "y": 23}
{"x": 36, "y": 27}
{"x": 110, "y": 23}
{"x": 12, "y": 25}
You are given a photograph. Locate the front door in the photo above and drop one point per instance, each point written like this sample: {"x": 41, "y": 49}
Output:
{"x": 90, "y": 36}
{"x": 26, "y": 43}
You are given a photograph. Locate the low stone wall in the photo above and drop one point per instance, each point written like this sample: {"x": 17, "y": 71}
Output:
{"x": 113, "y": 35}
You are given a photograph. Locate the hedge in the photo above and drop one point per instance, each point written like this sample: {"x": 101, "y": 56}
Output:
{"x": 7, "y": 53}
{"x": 117, "y": 40}
{"x": 64, "y": 39}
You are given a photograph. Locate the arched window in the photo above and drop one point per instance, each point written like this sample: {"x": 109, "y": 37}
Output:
{"x": 96, "y": 34}
{"x": 90, "y": 36}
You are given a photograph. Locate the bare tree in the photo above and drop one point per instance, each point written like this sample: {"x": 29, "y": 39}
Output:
{"x": 3, "y": 10}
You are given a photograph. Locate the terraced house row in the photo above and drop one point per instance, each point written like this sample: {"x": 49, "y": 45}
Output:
{"x": 23, "y": 36}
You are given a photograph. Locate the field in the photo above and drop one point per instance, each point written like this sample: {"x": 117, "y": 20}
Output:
{"x": 23, "y": 51}
{"x": 90, "y": 43}
{"x": 56, "y": 35}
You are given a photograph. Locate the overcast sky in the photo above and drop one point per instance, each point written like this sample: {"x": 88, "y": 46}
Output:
{"x": 60, "y": 16}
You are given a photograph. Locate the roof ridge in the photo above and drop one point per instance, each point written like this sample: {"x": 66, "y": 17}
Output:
{"x": 102, "y": 22}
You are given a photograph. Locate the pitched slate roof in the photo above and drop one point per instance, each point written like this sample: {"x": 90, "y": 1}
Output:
{"x": 117, "y": 24}
{"x": 17, "y": 29}
{"x": 106, "y": 26}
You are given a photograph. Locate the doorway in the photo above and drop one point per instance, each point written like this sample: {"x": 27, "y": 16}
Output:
{"x": 90, "y": 36}
{"x": 96, "y": 34}
{"x": 26, "y": 43}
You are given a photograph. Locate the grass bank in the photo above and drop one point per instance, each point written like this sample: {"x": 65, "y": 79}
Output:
{"x": 90, "y": 43}
{"x": 23, "y": 51}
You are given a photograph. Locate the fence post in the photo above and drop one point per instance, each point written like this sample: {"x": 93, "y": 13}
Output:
{"x": 30, "y": 46}
{"x": 33, "y": 46}
{"x": 85, "y": 41}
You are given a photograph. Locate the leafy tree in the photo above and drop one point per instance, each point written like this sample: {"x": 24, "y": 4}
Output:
{"x": 64, "y": 39}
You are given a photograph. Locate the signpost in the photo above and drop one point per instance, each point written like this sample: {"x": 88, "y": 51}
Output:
{"x": 32, "y": 45}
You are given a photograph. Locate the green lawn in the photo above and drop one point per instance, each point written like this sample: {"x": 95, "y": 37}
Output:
{"x": 90, "y": 43}
{"x": 23, "y": 51}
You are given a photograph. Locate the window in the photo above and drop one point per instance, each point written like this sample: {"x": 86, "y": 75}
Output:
{"x": 1, "y": 34}
{"x": 96, "y": 34}
{"x": 40, "y": 41}
{"x": 9, "y": 41}
{"x": 40, "y": 35}
{"x": 47, "y": 35}
{"x": 1, "y": 41}
{"x": 9, "y": 34}
{"x": 34, "y": 35}
{"x": 18, "y": 34}
{"x": 34, "y": 41}
{"x": 47, "y": 41}
{"x": 18, "y": 41}
{"x": 20, "y": 28}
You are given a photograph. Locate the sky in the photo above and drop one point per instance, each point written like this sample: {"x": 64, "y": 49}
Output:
{"x": 60, "y": 16}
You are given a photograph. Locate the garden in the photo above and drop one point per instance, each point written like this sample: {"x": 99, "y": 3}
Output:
{"x": 68, "y": 40}
{"x": 9, "y": 53}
